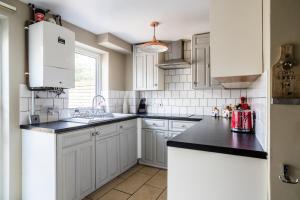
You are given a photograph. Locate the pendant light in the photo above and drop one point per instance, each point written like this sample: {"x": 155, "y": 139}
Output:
{"x": 154, "y": 46}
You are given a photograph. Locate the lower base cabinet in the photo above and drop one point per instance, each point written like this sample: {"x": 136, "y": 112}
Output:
{"x": 155, "y": 134}
{"x": 71, "y": 165}
{"x": 154, "y": 148}
{"x": 77, "y": 165}
{"x": 128, "y": 148}
{"x": 107, "y": 160}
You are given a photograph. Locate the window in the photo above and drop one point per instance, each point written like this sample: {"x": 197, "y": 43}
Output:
{"x": 87, "y": 79}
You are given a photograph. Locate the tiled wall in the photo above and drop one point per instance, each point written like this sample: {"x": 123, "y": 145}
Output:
{"x": 179, "y": 98}
{"x": 257, "y": 95}
{"x": 60, "y": 106}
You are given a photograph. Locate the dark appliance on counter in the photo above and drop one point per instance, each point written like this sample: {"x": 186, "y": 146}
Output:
{"x": 142, "y": 106}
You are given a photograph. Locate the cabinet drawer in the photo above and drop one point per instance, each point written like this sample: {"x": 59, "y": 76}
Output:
{"x": 76, "y": 137}
{"x": 127, "y": 124}
{"x": 155, "y": 124}
{"x": 106, "y": 130}
{"x": 176, "y": 125}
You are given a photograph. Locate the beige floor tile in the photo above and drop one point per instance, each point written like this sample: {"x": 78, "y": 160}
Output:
{"x": 149, "y": 170}
{"x": 104, "y": 189}
{"x": 133, "y": 183}
{"x": 146, "y": 192}
{"x": 163, "y": 196}
{"x": 159, "y": 180}
{"x": 131, "y": 171}
{"x": 115, "y": 195}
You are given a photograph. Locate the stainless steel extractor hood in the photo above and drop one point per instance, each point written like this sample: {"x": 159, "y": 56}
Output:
{"x": 174, "y": 57}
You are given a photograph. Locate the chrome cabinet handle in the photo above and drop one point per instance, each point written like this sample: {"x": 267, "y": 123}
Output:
{"x": 93, "y": 134}
{"x": 285, "y": 178}
{"x": 183, "y": 126}
{"x": 154, "y": 124}
{"x": 121, "y": 126}
{"x": 97, "y": 133}
{"x": 155, "y": 84}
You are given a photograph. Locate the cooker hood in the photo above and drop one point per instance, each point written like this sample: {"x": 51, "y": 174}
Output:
{"x": 174, "y": 57}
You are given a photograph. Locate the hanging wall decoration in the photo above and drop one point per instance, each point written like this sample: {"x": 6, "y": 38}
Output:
{"x": 286, "y": 78}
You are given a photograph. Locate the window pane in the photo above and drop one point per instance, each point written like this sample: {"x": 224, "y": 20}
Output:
{"x": 85, "y": 82}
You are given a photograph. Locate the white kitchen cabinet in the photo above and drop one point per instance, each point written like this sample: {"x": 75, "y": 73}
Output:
{"x": 107, "y": 159}
{"x": 76, "y": 164}
{"x": 146, "y": 75}
{"x": 148, "y": 146}
{"x": 154, "y": 147}
{"x": 236, "y": 41}
{"x": 161, "y": 138}
{"x": 155, "y": 134}
{"x": 51, "y": 56}
{"x": 201, "y": 72}
{"x": 128, "y": 144}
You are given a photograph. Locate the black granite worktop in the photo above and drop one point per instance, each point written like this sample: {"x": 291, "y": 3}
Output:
{"x": 171, "y": 117}
{"x": 65, "y": 126}
{"x": 214, "y": 135}
{"x": 209, "y": 134}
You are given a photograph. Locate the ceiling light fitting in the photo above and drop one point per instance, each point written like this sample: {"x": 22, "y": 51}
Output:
{"x": 154, "y": 46}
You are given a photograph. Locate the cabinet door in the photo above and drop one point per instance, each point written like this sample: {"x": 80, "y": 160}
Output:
{"x": 132, "y": 146}
{"x": 123, "y": 151}
{"x": 102, "y": 174}
{"x": 113, "y": 156}
{"x": 139, "y": 71}
{"x": 107, "y": 160}
{"x": 76, "y": 165}
{"x": 201, "y": 61}
{"x": 69, "y": 185}
{"x": 148, "y": 138}
{"x": 86, "y": 168}
{"x": 151, "y": 71}
{"x": 161, "y": 138}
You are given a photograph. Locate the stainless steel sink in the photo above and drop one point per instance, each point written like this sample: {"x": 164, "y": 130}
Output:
{"x": 98, "y": 118}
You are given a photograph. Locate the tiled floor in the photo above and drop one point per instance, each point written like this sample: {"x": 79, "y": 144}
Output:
{"x": 138, "y": 183}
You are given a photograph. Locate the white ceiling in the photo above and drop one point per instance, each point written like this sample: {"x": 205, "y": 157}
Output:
{"x": 129, "y": 19}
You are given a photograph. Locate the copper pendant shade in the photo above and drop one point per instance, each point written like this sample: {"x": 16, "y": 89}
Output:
{"x": 154, "y": 46}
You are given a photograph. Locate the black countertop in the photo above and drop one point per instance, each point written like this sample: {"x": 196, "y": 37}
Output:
{"x": 210, "y": 134}
{"x": 65, "y": 126}
{"x": 214, "y": 135}
{"x": 171, "y": 117}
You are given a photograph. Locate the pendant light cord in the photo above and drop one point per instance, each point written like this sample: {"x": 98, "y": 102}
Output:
{"x": 154, "y": 36}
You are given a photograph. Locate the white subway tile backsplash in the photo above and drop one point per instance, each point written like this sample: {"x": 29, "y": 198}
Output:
{"x": 191, "y": 94}
{"x": 211, "y": 102}
{"x": 203, "y": 102}
{"x": 195, "y": 102}
{"x": 217, "y": 93}
{"x": 235, "y": 93}
{"x": 168, "y": 94}
{"x": 225, "y": 93}
{"x": 179, "y": 86}
{"x": 175, "y": 94}
{"x": 187, "y": 86}
{"x": 221, "y": 102}
{"x": 199, "y": 94}
{"x": 186, "y": 102}
{"x": 207, "y": 93}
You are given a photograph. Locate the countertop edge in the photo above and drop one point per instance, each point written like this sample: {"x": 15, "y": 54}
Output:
{"x": 219, "y": 149}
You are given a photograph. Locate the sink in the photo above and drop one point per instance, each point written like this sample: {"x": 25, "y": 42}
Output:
{"x": 98, "y": 118}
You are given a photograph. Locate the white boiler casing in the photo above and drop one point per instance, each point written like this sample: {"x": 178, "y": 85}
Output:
{"x": 51, "y": 56}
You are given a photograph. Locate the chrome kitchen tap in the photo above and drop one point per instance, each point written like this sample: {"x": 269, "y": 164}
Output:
{"x": 94, "y": 101}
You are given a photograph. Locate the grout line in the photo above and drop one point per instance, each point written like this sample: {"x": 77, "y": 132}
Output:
{"x": 122, "y": 191}
{"x": 161, "y": 194}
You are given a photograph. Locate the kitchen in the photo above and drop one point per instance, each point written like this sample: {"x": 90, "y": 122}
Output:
{"x": 80, "y": 132}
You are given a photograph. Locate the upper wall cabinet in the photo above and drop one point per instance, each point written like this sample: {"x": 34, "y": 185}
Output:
{"x": 236, "y": 41}
{"x": 51, "y": 56}
{"x": 201, "y": 72}
{"x": 146, "y": 74}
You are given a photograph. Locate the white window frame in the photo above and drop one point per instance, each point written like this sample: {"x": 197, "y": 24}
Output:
{"x": 97, "y": 57}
